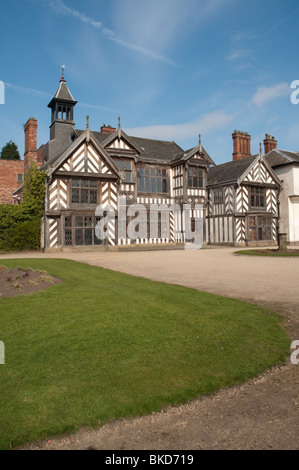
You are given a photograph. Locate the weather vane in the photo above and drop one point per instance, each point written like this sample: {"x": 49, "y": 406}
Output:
{"x": 62, "y": 70}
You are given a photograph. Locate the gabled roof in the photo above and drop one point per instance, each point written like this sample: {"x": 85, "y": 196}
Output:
{"x": 52, "y": 165}
{"x": 236, "y": 170}
{"x": 120, "y": 134}
{"x": 278, "y": 157}
{"x": 157, "y": 150}
{"x": 229, "y": 172}
{"x": 184, "y": 156}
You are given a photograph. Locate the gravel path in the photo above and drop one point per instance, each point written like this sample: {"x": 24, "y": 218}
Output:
{"x": 261, "y": 414}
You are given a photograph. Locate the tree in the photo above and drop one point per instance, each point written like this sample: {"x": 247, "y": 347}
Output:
{"x": 10, "y": 151}
{"x": 34, "y": 190}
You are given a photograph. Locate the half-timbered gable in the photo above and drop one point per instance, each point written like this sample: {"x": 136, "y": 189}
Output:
{"x": 243, "y": 202}
{"x": 80, "y": 179}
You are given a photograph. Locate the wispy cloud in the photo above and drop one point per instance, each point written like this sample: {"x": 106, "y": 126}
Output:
{"x": 239, "y": 54}
{"x": 265, "y": 94}
{"x": 280, "y": 22}
{"x": 101, "y": 108}
{"x": 203, "y": 125}
{"x": 62, "y": 9}
{"x": 27, "y": 91}
{"x": 34, "y": 92}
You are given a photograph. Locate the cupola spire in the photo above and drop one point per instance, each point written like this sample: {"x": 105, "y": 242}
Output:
{"x": 62, "y": 117}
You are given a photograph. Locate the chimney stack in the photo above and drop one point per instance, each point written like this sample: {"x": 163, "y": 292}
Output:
{"x": 30, "y": 155}
{"x": 241, "y": 145}
{"x": 269, "y": 143}
{"x": 107, "y": 129}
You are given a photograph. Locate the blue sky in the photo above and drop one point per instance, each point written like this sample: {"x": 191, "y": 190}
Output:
{"x": 171, "y": 69}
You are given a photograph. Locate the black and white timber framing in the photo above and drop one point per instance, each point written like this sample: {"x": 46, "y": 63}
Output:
{"x": 243, "y": 202}
{"x": 86, "y": 168}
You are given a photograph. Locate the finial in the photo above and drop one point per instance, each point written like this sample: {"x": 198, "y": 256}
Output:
{"x": 260, "y": 148}
{"x": 119, "y": 131}
{"x": 87, "y": 129}
{"x": 199, "y": 141}
{"x": 62, "y": 73}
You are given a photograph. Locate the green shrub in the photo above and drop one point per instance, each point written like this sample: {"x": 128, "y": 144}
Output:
{"x": 20, "y": 224}
{"x": 24, "y": 236}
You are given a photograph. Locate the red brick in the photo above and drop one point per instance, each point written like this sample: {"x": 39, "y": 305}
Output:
{"x": 9, "y": 171}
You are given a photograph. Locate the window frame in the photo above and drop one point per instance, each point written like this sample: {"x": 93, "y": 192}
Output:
{"x": 84, "y": 187}
{"x": 258, "y": 197}
{"x": 218, "y": 196}
{"x": 152, "y": 181}
{"x": 195, "y": 177}
{"x": 259, "y": 226}
{"x": 72, "y": 227}
{"x": 128, "y": 171}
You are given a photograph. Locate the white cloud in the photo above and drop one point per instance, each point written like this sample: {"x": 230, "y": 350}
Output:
{"x": 239, "y": 54}
{"x": 63, "y": 9}
{"x": 203, "y": 125}
{"x": 265, "y": 94}
{"x": 27, "y": 91}
{"x": 60, "y": 8}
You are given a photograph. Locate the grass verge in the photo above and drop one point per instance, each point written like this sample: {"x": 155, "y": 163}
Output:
{"x": 104, "y": 345}
{"x": 268, "y": 252}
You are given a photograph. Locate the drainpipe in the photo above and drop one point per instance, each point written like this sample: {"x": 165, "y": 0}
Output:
{"x": 208, "y": 216}
{"x": 278, "y": 217}
{"x": 45, "y": 203}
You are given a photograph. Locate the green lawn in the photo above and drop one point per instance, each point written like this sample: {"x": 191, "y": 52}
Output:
{"x": 268, "y": 252}
{"x": 104, "y": 345}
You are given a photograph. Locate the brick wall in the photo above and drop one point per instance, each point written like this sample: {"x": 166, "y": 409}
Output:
{"x": 9, "y": 171}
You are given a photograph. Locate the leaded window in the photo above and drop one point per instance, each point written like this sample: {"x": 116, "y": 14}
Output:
{"x": 79, "y": 230}
{"x": 257, "y": 196}
{"x": 218, "y": 197}
{"x": 125, "y": 166}
{"x": 84, "y": 191}
{"x": 260, "y": 228}
{"x": 151, "y": 180}
{"x": 195, "y": 177}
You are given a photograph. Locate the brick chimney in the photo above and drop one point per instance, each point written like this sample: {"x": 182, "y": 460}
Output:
{"x": 107, "y": 129}
{"x": 269, "y": 143}
{"x": 30, "y": 154}
{"x": 241, "y": 145}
